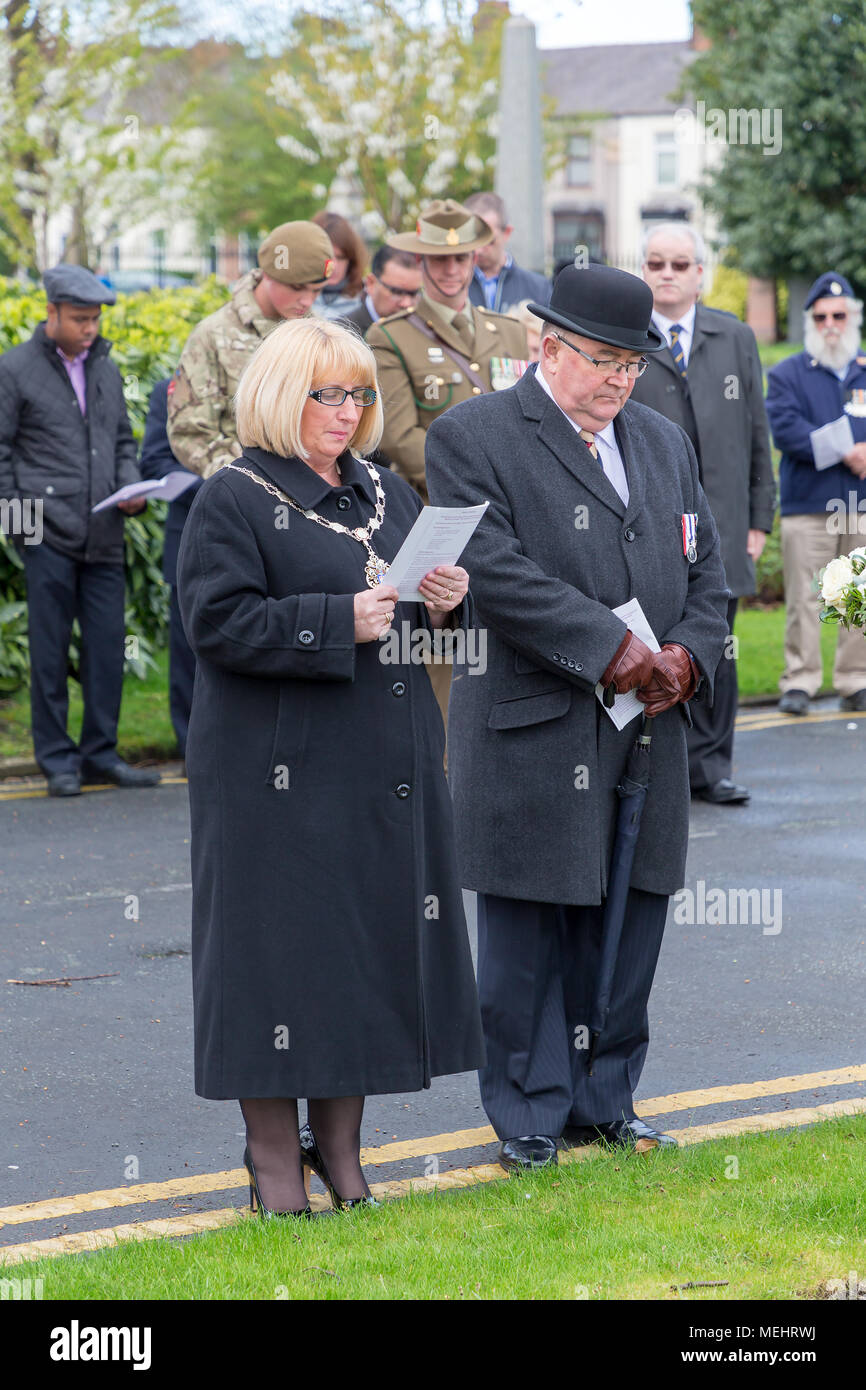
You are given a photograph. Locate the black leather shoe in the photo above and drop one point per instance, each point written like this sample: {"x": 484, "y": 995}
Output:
{"x": 628, "y": 1133}
{"x": 722, "y": 793}
{"x": 857, "y": 701}
{"x": 121, "y": 774}
{"x": 64, "y": 784}
{"x": 573, "y": 1136}
{"x": 794, "y": 702}
{"x": 530, "y": 1151}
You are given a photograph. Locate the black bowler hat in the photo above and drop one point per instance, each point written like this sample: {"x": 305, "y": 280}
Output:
{"x": 608, "y": 305}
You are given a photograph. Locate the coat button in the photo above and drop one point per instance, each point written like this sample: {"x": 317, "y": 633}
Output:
{"x": 402, "y": 791}
{"x": 306, "y": 637}
{"x": 50, "y": 488}
{"x": 578, "y": 666}
{"x": 571, "y": 666}
{"x": 556, "y": 656}
{"x": 398, "y": 688}
{"x": 629, "y": 534}
{"x": 343, "y": 503}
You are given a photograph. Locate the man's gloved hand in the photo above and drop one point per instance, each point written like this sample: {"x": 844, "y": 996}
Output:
{"x": 673, "y": 680}
{"x": 632, "y": 665}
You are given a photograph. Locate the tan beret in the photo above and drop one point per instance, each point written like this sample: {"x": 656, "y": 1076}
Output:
{"x": 297, "y": 253}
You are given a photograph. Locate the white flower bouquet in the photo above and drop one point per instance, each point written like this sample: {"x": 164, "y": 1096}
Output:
{"x": 842, "y": 586}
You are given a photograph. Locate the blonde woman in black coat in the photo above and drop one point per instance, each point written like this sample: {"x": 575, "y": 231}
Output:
{"x": 330, "y": 954}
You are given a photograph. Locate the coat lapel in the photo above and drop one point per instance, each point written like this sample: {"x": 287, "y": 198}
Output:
{"x": 559, "y": 435}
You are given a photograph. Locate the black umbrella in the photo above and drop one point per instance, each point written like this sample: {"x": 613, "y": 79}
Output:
{"x": 632, "y": 793}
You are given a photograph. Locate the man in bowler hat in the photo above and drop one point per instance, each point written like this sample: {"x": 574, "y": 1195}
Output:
{"x": 66, "y": 442}
{"x": 593, "y": 501}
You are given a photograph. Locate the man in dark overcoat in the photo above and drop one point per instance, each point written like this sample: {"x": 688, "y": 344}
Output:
{"x": 709, "y": 380}
{"x": 157, "y": 461}
{"x": 587, "y": 498}
{"x": 66, "y": 444}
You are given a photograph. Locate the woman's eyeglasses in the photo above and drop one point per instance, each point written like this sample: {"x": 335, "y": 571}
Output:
{"x": 679, "y": 266}
{"x": 839, "y": 317}
{"x": 335, "y": 395}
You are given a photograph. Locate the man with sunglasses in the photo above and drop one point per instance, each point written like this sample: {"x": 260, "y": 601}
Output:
{"x": 822, "y": 483}
{"x": 587, "y": 496}
{"x": 708, "y": 380}
{"x": 393, "y": 284}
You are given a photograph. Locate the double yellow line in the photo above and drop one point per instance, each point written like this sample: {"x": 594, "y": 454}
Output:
{"x": 427, "y": 1147}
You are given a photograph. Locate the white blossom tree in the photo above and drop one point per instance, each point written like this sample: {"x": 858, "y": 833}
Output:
{"x": 403, "y": 105}
{"x": 73, "y": 138}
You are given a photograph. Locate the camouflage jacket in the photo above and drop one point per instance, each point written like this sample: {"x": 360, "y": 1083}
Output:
{"x": 201, "y": 424}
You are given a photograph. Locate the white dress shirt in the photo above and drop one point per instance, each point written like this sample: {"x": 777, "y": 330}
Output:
{"x": 609, "y": 455}
{"x": 687, "y": 323}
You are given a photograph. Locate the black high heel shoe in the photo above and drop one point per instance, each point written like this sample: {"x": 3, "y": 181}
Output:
{"x": 256, "y": 1203}
{"x": 312, "y": 1159}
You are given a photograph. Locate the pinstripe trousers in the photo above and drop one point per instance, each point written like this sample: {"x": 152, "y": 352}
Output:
{"x": 537, "y": 966}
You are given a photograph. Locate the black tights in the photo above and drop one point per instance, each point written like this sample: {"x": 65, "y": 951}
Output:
{"x": 272, "y": 1139}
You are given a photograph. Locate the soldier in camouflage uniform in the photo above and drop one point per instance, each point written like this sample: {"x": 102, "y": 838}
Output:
{"x": 294, "y": 262}
{"x": 446, "y": 349}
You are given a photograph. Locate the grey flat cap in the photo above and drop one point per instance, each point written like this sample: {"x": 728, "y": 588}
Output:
{"x": 72, "y": 284}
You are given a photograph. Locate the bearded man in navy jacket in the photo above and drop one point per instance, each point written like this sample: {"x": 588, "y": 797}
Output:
{"x": 822, "y": 486}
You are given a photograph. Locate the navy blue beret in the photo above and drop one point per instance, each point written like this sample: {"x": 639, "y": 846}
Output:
{"x": 828, "y": 285}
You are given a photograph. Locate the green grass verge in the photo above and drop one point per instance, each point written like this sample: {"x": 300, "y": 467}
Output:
{"x": 761, "y": 650}
{"x": 613, "y": 1227}
{"x": 145, "y": 725}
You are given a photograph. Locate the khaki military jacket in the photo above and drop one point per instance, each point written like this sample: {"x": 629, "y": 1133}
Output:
{"x": 420, "y": 378}
{"x": 201, "y": 423}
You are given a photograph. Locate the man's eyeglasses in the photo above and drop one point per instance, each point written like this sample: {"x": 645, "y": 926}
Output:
{"x": 335, "y": 395}
{"x": 609, "y": 364}
{"x": 397, "y": 293}
{"x": 680, "y": 265}
{"x": 839, "y": 317}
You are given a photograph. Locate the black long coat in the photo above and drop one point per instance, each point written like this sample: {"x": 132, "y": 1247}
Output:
{"x": 722, "y": 410}
{"x": 330, "y": 954}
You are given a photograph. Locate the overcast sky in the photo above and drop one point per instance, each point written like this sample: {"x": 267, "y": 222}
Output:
{"x": 559, "y": 23}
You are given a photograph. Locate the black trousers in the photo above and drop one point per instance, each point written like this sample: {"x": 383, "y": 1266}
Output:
{"x": 537, "y": 966}
{"x": 181, "y": 674}
{"x": 710, "y": 740}
{"x": 59, "y": 590}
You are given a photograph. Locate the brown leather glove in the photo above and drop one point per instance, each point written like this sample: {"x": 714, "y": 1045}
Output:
{"x": 632, "y": 665}
{"x": 673, "y": 680}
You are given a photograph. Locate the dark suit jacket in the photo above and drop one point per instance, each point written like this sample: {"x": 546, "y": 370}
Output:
{"x": 359, "y": 318}
{"x": 557, "y": 550}
{"x": 722, "y": 411}
{"x": 157, "y": 460}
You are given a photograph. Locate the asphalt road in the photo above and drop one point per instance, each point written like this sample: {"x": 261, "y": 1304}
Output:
{"x": 96, "y": 1086}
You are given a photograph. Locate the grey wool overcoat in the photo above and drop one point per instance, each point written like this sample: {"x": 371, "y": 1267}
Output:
{"x": 723, "y": 406}
{"x": 329, "y": 947}
{"x": 533, "y": 759}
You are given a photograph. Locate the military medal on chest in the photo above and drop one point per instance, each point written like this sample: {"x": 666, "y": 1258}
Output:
{"x": 376, "y": 568}
{"x": 690, "y": 536}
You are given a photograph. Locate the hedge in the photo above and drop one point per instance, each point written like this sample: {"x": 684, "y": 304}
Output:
{"x": 148, "y": 331}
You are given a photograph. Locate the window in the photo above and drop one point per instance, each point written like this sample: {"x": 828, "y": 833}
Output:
{"x": 575, "y": 229}
{"x": 666, "y": 159}
{"x": 578, "y": 169}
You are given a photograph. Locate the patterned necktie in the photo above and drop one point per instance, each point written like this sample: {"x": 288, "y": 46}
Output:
{"x": 589, "y": 441}
{"x": 677, "y": 349}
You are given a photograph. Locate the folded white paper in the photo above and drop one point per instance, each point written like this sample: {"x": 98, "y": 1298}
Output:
{"x": 625, "y": 708}
{"x": 167, "y": 488}
{"x": 832, "y": 442}
{"x": 439, "y": 537}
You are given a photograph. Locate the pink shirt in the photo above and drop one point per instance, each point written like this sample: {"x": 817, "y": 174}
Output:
{"x": 75, "y": 369}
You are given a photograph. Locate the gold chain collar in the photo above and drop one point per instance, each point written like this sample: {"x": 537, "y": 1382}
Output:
{"x": 376, "y": 568}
